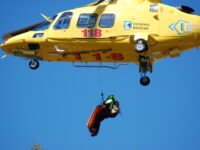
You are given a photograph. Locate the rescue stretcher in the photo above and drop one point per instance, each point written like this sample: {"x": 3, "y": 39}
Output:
{"x": 93, "y": 123}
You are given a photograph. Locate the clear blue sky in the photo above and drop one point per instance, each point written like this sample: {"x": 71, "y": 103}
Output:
{"x": 50, "y": 106}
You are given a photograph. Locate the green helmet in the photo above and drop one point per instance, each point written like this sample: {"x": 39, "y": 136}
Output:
{"x": 111, "y": 97}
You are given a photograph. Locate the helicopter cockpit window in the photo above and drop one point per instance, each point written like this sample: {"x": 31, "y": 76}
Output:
{"x": 64, "y": 21}
{"x": 87, "y": 20}
{"x": 107, "y": 21}
{"x": 44, "y": 25}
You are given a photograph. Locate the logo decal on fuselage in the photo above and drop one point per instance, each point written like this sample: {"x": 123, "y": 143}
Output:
{"x": 181, "y": 27}
{"x": 128, "y": 25}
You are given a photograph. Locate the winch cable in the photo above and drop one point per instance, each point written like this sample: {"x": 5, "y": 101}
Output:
{"x": 100, "y": 85}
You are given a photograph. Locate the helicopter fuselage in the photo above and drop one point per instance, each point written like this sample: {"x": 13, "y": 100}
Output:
{"x": 108, "y": 32}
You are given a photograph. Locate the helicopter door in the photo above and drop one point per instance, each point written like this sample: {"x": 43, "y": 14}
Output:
{"x": 64, "y": 21}
{"x": 106, "y": 24}
{"x": 61, "y": 27}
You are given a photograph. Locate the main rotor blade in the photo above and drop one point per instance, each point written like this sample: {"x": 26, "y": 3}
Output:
{"x": 20, "y": 31}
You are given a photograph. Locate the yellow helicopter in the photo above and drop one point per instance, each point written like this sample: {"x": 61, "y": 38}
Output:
{"x": 118, "y": 31}
{"x": 36, "y": 147}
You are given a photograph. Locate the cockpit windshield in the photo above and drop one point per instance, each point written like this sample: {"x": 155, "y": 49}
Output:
{"x": 44, "y": 25}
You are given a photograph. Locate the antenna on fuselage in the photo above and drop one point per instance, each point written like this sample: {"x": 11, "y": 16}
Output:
{"x": 4, "y": 56}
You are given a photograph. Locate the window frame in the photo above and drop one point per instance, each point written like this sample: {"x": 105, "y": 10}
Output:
{"x": 114, "y": 20}
{"x": 59, "y": 19}
{"x": 43, "y": 27}
{"x": 96, "y": 15}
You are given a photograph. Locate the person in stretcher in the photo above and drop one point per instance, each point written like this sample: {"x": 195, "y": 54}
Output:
{"x": 109, "y": 109}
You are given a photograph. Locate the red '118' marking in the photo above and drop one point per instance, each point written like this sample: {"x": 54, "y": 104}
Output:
{"x": 97, "y": 56}
{"x": 114, "y": 56}
{"x": 117, "y": 56}
{"x": 84, "y": 32}
{"x": 77, "y": 56}
{"x": 92, "y": 32}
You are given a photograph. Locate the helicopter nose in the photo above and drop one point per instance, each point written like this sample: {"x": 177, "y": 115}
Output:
{"x": 10, "y": 44}
{"x": 2, "y": 48}
{"x": 3, "y": 42}
{"x": 4, "y": 45}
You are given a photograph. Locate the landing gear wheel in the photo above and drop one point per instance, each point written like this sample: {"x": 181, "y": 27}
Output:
{"x": 145, "y": 81}
{"x": 141, "y": 46}
{"x": 34, "y": 64}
